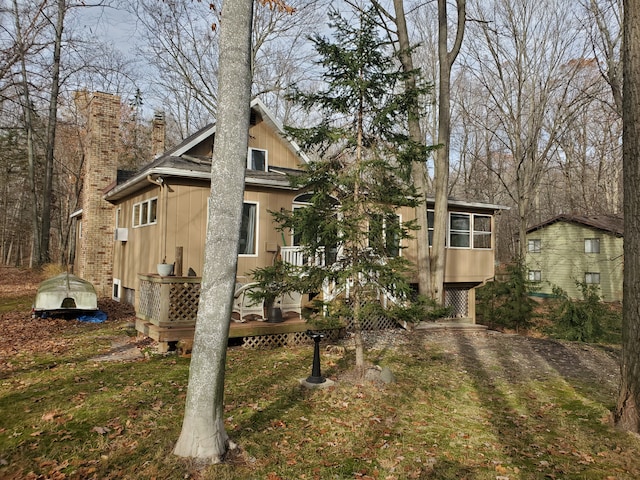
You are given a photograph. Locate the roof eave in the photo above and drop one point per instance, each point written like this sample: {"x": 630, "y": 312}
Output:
{"x": 135, "y": 183}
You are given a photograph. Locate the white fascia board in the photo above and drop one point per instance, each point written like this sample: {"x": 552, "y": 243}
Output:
{"x": 284, "y": 184}
{"x": 478, "y": 205}
{"x": 135, "y": 183}
{"x": 204, "y": 134}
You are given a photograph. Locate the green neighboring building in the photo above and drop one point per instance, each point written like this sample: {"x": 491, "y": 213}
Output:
{"x": 569, "y": 249}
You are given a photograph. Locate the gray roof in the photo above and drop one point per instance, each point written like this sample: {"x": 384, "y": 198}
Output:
{"x": 177, "y": 163}
{"x": 610, "y": 224}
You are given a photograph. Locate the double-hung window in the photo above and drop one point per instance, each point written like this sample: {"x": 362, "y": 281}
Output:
{"x": 145, "y": 213}
{"x": 481, "y": 231}
{"x": 592, "y": 278}
{"x": 534, "y": 245}
{"x": 460, "y": 230}
{"x": 249, "y": 229}
{"x": 591, "y": 245}
{"x": 257, "y": 159}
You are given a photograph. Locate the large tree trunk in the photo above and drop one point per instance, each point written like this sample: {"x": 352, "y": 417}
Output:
{"x": 627, "y": 414}
{"x": 203, "y": 434}
{"x": 418, "y": 168}
{"x": 445, "y": 62}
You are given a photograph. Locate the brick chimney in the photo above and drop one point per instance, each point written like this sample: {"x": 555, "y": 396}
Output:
{"x": 95, "y": 263}
{"x": 157, "y": 134}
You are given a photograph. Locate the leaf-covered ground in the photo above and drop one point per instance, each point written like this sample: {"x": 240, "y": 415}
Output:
{"x": 476, "y": 406}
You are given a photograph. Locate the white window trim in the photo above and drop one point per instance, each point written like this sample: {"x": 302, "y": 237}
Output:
{"x": 469, "y": 232}
{"x": 384, "y": 233}
{"x": 591, "y": 274}
{"x": 534, "y": 250}
{"x": 250, "y": 157}
{"x": 474, "y": 231}
{"x": 140, "y": 204}
{"x": 257, "y": 232}
{"x": 116, "y": 282}
{"x": 295, "y": 206}
{"x": 532, "y": 275}
{"x": 591, "y": 242}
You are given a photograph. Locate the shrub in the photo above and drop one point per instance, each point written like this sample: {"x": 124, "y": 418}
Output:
{"x": 421, "y": 308}
{"x": 506, "y": 303}
{"x": 581, "y": 320}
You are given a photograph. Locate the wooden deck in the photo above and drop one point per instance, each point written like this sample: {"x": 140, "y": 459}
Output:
{"x": 251, "y": 334}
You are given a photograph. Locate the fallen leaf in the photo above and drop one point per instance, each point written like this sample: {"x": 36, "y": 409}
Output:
{"x": 49, "y": 416}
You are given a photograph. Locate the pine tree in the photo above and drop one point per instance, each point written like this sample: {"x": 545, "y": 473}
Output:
{"x": 360, "y": 178}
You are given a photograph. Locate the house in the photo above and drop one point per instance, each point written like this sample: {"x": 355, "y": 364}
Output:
{"x": 570, "y": 249}
{"x": 159, "y": 214}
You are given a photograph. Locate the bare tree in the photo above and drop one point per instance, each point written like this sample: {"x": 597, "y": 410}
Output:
{"x": 203, "y": 434}
{"x": 524, "y": 56}
{"x": 182, "y": 46}
{"x": 446, "y": 58}
{"x": 419, "y": 173}
{"x": 627, "y": 412}
{"x": 604, "y": 24}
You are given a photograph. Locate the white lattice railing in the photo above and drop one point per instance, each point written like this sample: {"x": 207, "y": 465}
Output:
{"x": 169, "y": 301}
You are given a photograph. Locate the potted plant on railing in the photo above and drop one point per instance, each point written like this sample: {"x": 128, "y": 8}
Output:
{"x": 164, "y": 269}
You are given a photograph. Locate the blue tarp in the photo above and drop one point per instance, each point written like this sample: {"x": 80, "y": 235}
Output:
{"x": 93, "y": 317}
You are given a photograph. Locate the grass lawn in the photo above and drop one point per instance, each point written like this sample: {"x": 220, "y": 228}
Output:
{"x": 66, "y": 415}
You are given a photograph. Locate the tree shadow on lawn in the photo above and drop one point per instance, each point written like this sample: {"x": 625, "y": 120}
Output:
{"x": 530, "y": 387}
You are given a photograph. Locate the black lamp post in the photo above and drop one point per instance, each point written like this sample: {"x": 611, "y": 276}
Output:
{"x": 315, "y": 376}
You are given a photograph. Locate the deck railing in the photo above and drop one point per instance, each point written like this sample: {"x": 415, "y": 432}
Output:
{"x": 295, "y": 255}
{"x": 168, "y": 301}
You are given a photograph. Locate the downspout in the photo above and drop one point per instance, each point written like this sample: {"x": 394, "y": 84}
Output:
{"x": 164, "y": 198}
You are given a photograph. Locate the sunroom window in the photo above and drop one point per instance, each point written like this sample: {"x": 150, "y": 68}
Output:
{"x": 460, "y": 230}
{"x": 481, "y": 231}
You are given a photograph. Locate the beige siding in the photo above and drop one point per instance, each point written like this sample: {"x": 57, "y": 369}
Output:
{"x": 562, "y": 260}
{"x": 264, "y": 138}
{"x": 462, "y": 265}
{"x": 182, "y": 219}
{"x": 142, "y": 251}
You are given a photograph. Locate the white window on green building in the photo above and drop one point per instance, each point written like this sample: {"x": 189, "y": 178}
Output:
{"x": 591, "y": 245}
{"x": 592, "y": 278}
{"x": 534, "y": 245}
{"x": 535, "y": 276}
